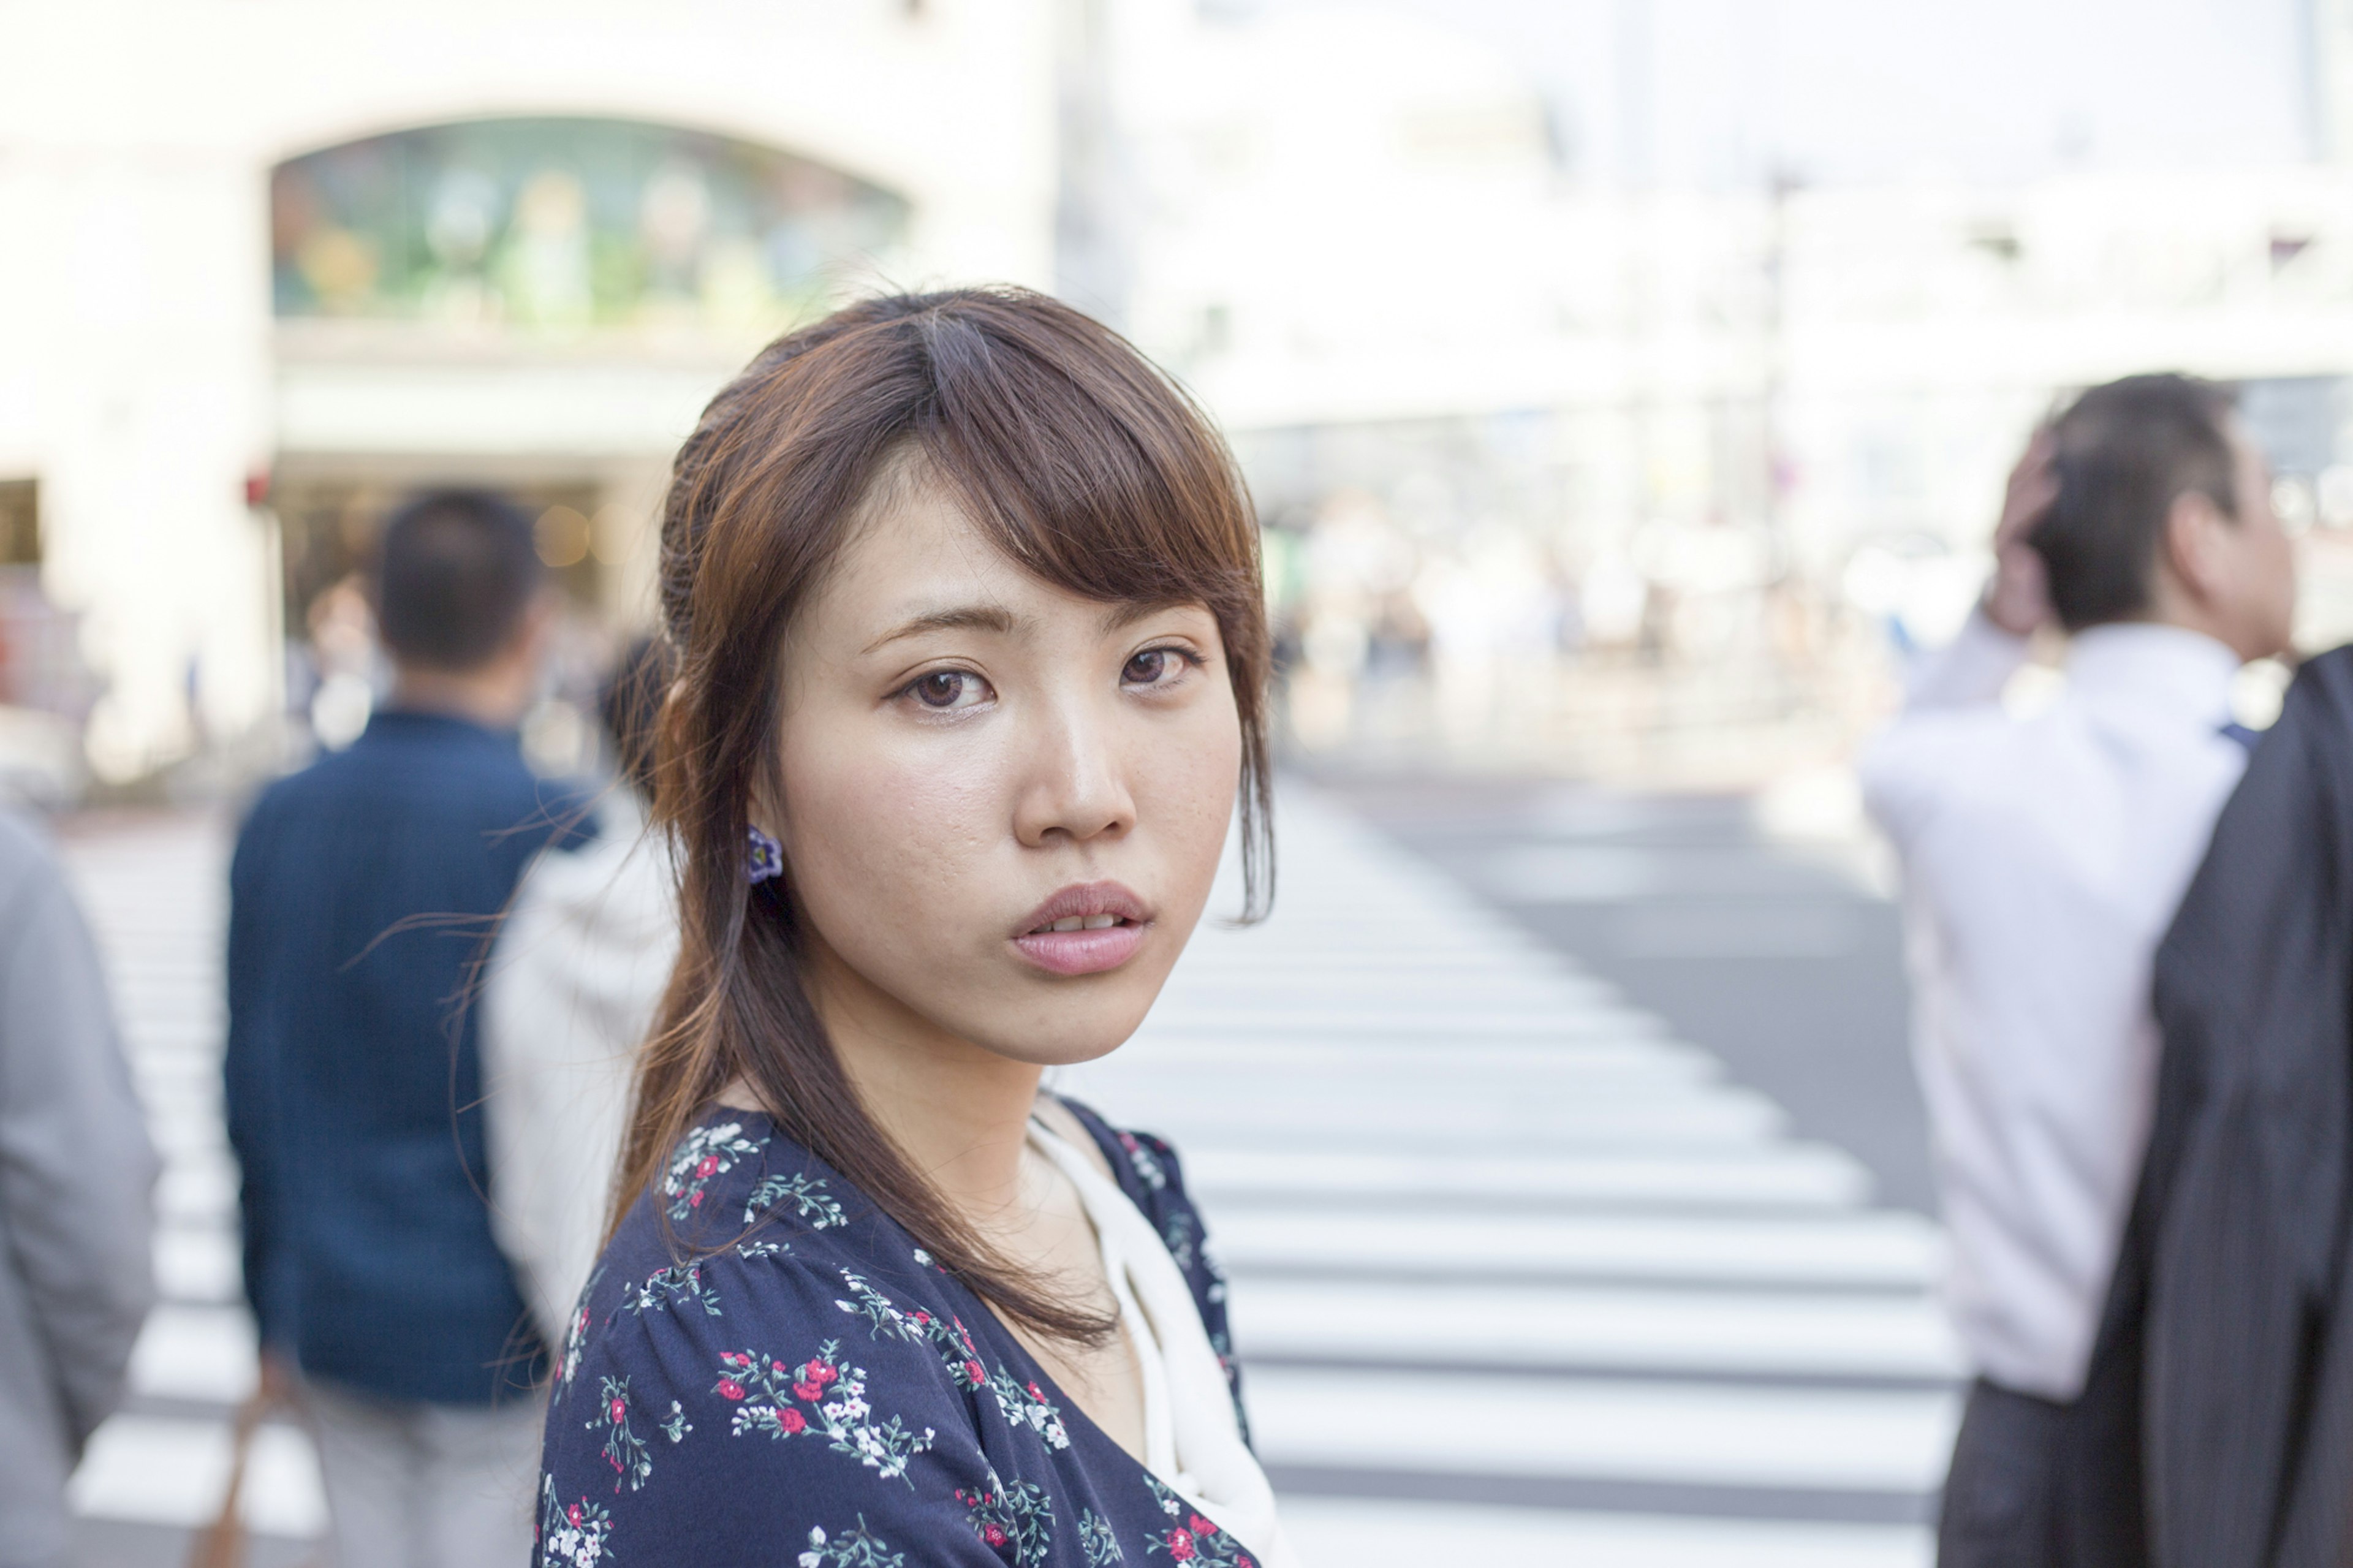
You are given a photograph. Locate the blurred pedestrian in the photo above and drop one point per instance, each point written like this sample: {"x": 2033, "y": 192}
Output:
{"x": 2043, "y": 857}
{"x": 573, "y": 983}
{"x": 361, "y": 894}
{"x": 76, "y": 1176}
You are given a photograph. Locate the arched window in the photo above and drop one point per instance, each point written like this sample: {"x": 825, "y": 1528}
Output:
{"x": 556, "y": 226}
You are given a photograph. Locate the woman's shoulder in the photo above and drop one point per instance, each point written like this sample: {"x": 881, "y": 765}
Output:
{"x": 735, "y": 1168}
{"x": 805, "y": 1372}
{"x": 737, "y": 1199}
{"x": 1145, "y": 1165}
{"x": 740, "y": 1224}
{"x": 766, "y": 1392}
{"x": 747, "y": 1249}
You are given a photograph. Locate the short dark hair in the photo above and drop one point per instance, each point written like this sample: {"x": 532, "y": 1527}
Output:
{"x": 455, "y": 570}
{"x": 2124, "y": 453}
{"x": 630, "y": 703}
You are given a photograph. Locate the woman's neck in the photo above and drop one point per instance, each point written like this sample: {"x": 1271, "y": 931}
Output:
{"x": 960, "y": 1114}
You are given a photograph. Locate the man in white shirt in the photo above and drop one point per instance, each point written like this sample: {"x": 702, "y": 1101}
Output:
{"x": 2042, "y": 859}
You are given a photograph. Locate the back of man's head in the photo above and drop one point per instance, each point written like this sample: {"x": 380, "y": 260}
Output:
{"x": 2124, "y": 454}
{"x": 456, "y": 573}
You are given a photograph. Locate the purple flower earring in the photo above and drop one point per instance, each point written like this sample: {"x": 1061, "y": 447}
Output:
{"x": 767, "y": 861}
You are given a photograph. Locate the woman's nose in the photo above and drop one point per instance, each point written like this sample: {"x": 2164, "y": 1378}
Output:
{"x": 1076, "y": 787}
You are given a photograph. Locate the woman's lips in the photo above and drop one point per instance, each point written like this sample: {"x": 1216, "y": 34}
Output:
{"x": 1085, "y": 929}
{"x": 1082, "y": 951}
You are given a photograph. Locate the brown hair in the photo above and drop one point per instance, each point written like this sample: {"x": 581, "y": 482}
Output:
{"x": 1085, "y": 466}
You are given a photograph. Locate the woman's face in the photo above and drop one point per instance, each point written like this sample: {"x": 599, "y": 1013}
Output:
{"x": 1003, "y": 804}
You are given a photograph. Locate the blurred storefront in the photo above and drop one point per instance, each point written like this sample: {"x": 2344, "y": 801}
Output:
{"x": 539, "y": 305}
{"x": 270, "y": 265}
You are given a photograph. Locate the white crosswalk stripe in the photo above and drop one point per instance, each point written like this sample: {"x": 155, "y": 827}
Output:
{"x": 1497, "y": 1238}
{"x": 1861, "y": 1249}
{"x": 1592, "y": 1429}
{"x": 1519, "y": 1278}
{"x": 1370, "y": 1530}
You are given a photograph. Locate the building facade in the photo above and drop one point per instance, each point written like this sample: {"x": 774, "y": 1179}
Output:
{"x": 263, "y": 265}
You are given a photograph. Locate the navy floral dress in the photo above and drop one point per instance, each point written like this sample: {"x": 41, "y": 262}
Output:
{"x": 818, "y": 1392}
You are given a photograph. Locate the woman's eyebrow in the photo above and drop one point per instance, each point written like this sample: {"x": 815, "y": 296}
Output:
{"x": 953, "y": 618}
{"x": 1123, "y": 615}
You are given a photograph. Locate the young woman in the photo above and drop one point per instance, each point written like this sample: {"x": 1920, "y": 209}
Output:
{"x": 972, "y": 664}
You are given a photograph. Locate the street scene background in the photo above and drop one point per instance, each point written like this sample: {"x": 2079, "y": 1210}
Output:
{"x": 1626, "y": 388}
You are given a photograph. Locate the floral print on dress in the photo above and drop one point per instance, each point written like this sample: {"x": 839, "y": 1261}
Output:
{"x": 1016, "y": 1521}
{"x": 856, "y": 1549}
{"x": 1146, "y": 1163}
{"x": 951, "y": 1339}
{"x": 624, "y": 1449}
{"x": 1021, "y": 1403}
{"x": 1196, "y": 1538}
{"x": 1027, "y": 1404}
{"x": 809, "y": 1199}
{"x": 770, "y": 1397}
{"x": 1097, "y": 1540}
{"x": 666, "y": 1287}
{"x": 575, "y": 1338}
{"x": 1176, "y": 1234}
{"x": 737, "y": 1418}
{"x": 705, "y": 1152}
{"x": 573, "y": 1536}
{"x": 680, "y": 1283}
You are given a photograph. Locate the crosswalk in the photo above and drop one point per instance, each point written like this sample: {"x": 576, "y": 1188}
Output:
{"x": 1518, "y": 1277}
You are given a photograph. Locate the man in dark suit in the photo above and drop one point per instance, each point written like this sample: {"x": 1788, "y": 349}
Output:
{"x": 361, "y": 894}
{"x": 2221, "y": 1389}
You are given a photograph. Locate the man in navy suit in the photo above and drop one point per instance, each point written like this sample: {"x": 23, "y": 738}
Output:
{"x": 362, "y": 893}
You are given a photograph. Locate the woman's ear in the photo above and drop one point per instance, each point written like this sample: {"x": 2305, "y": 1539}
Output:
{"x": 762, "y": 812}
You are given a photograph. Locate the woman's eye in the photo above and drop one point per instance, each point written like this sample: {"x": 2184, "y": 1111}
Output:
{"x": 1153, "y": 666}
{"x": 948, "y": 689}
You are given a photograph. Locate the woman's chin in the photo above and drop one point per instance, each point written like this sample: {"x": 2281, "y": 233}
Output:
{"x": 1067, "y": 1042}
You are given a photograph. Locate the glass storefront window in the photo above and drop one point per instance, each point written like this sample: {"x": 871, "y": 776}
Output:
{"x": 550, "y": 225}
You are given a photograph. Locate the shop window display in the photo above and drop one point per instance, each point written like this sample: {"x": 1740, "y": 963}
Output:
{"x": 552, "y": 226}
